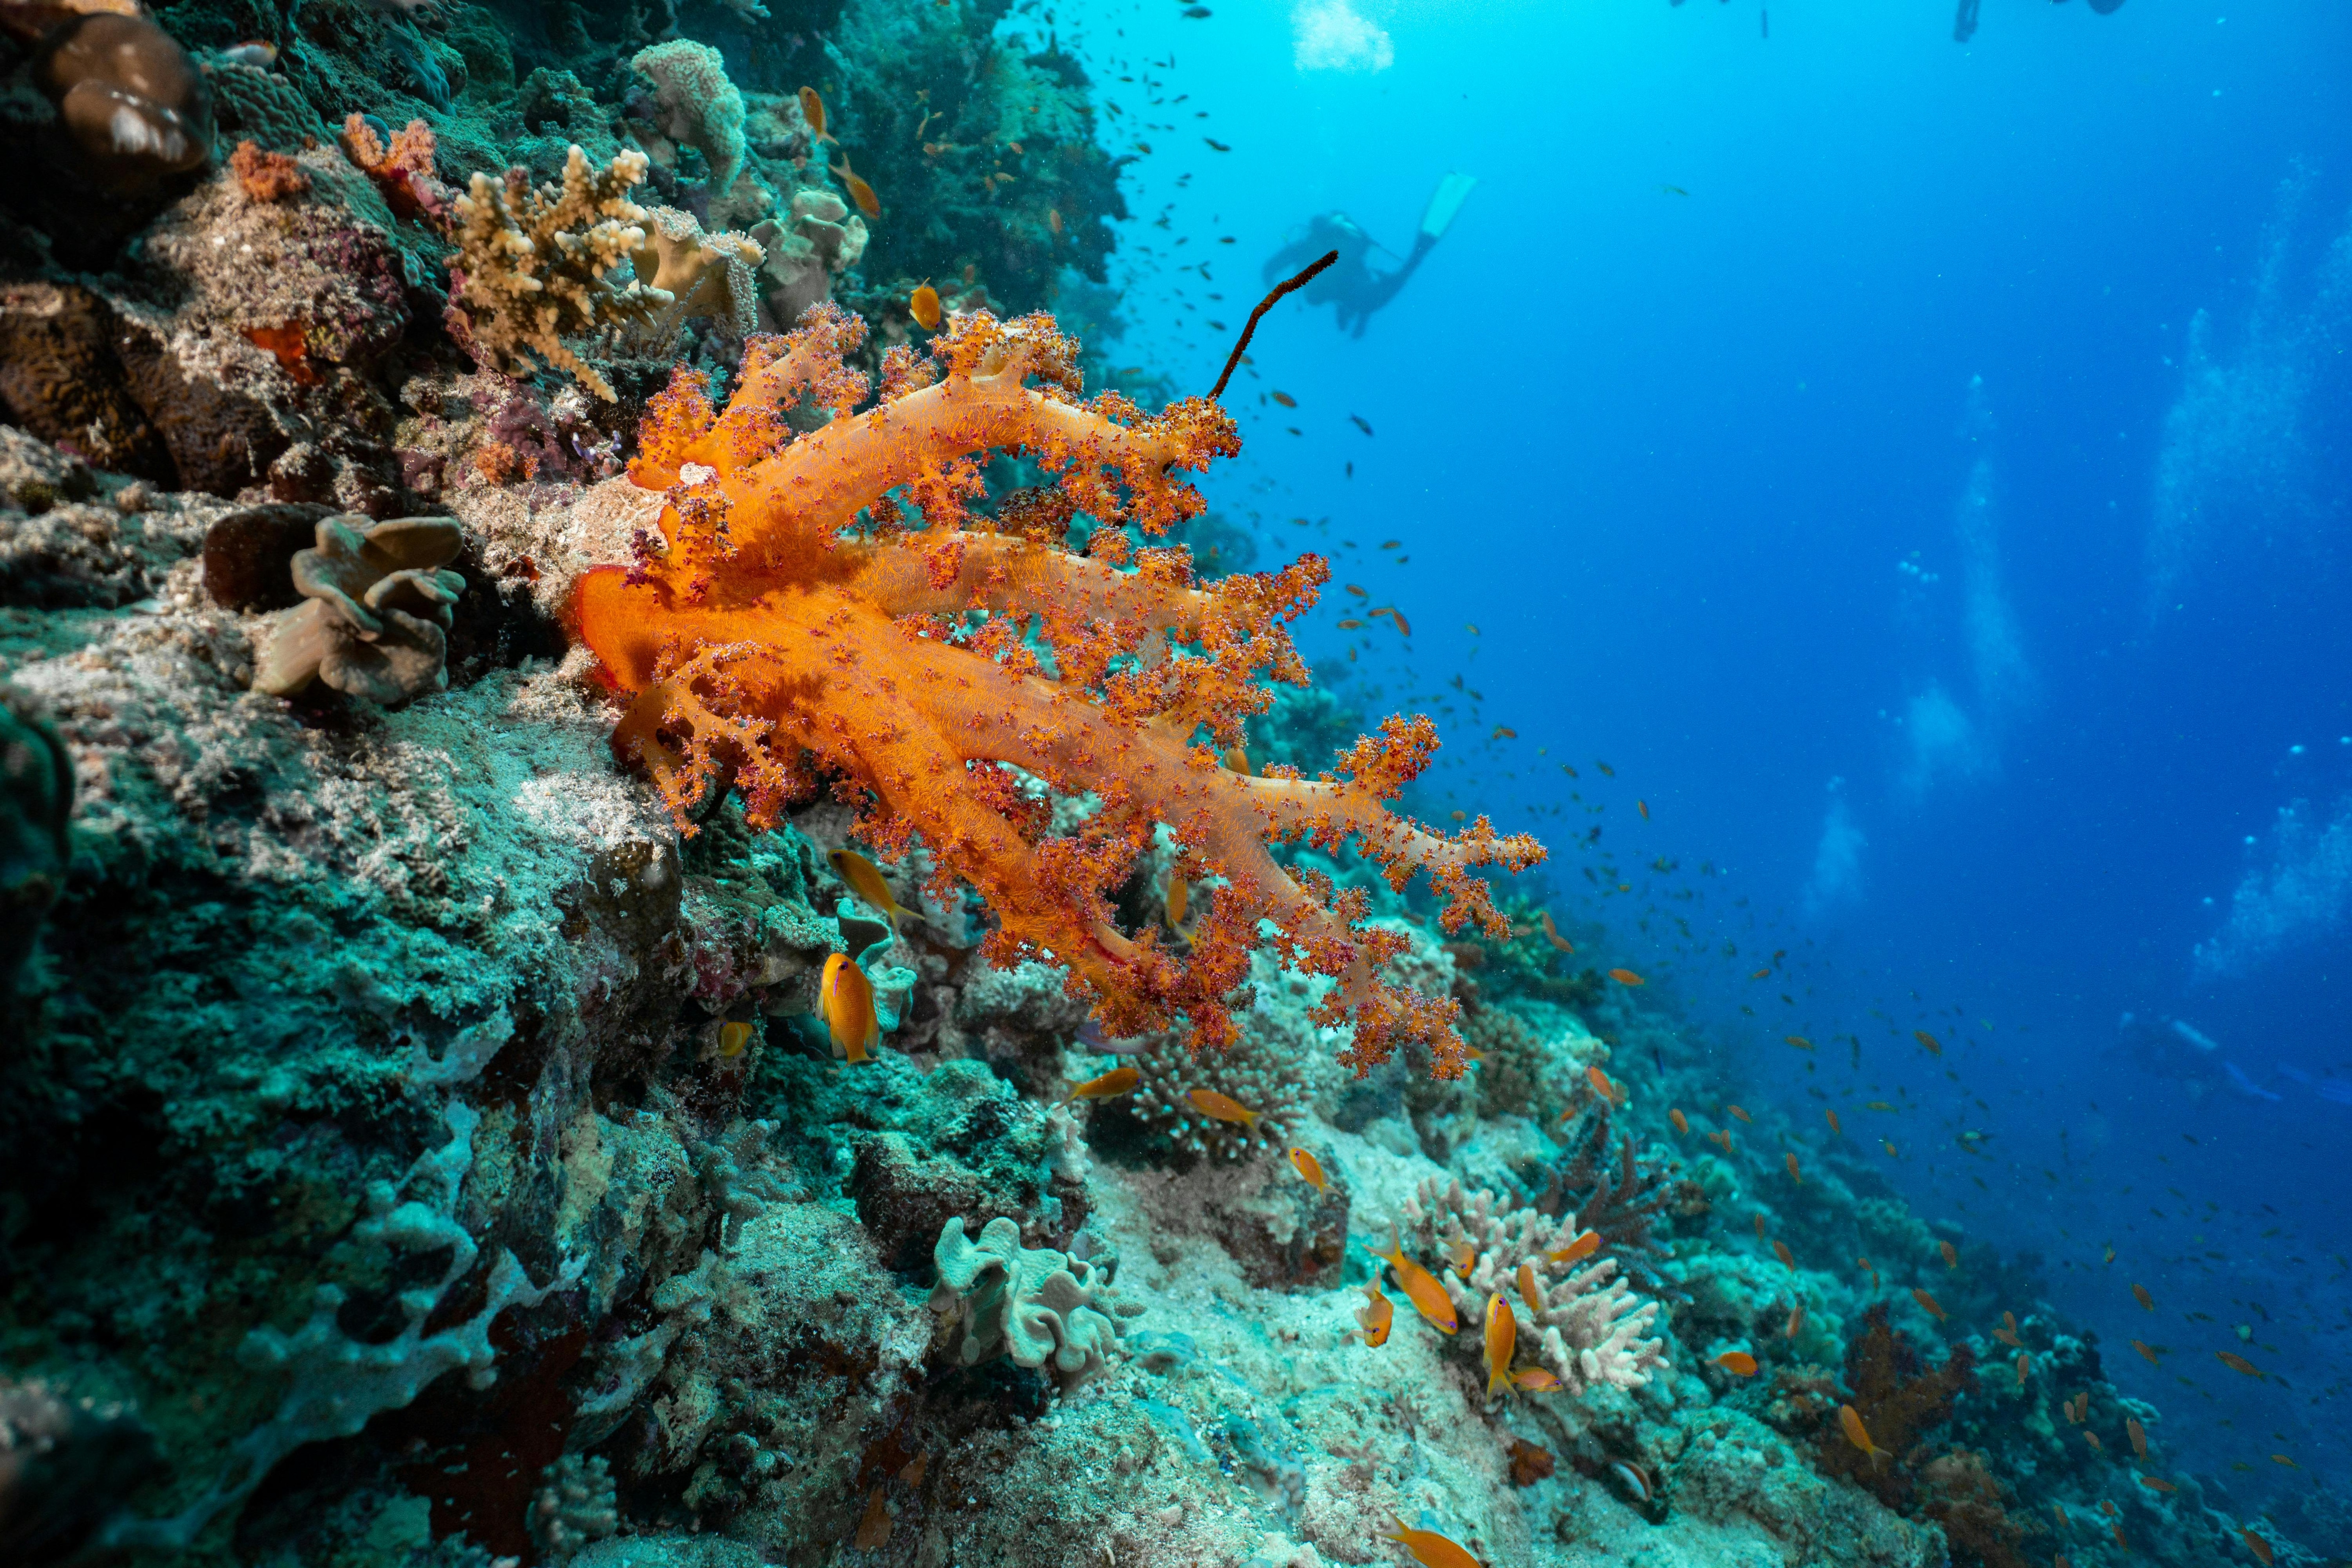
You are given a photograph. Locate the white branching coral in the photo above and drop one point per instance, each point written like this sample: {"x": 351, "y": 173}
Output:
{"x": 1591, "y": 1329}
{"x": 532, "y": 264}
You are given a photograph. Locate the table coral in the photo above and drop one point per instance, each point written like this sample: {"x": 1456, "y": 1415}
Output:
{"x": 771, "y": 640}
{"x": 1591, "y": 1329}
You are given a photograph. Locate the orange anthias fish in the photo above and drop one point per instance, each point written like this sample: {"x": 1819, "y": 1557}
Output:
{"x": 1888, "y": 1144}
{"x": 1795, "y": 1323}
{"x": 923, "y": 304}
{"x": 1601, "y": 1084}
{"x": 1529, "y": 1292}
{"x": 1110, "y": 1086}
{"x": 1739, "y": 1363}
{"x": 1309, "y": 1167}
{"x": 2146, "y": 1302}
{"x": 1463, "y": 1256}
{"x": 1787, "y": 1259}
{"x": 1759, "y": 1218}
{"x": 1951, "y": 1254}
{"x": 1431, "y": 1550}
{"x": 1935, "y": 1309}
{"x": 1837, "y": 1128}
{"x": 1795, "y": 1175}
{"x": 1551, "y": 934}
{"x": 846, "y": 1001}
{"x": 2093, "y": 1440}
{"x": 1419, "y": 1286}
{"x": 2139, "y": 1436}
{"x": 2146, "y": 1354}
{"x": 1504, "y": 733}
{"x": 1502, "y": 1344}
{"x": 1864, "y": 1265}
{"x": 1374, "y": 1317}
{"x": 1643, "y": 808}
{"x": 1284, "y": 399}
{"x": 1238, "y": 759}
{"x": 1176, "y": 899}
{"x": 1535, "y": 1380}
{"x": 2257, "y": 1545}
{"x": 1850, "y": 1422}
{"x": 1626, "y": 977}
{"x": 2238, "y": 1363}
{"x": 1221, "y": 1108}
{"x": 1576, "y": 1251}
{"x": 2024, "y": 1369}
{"x": 1723, "y": 1136}
{"x": 2007, "y": 1333}
{"x": 1761, "y": 975}
{"x": 2154, "y": 1485}
{"x": 865, "y": 879}
{"x": 2282, "y": 1459}
{"x": 813, "y": 110}
{"x": 859, "y": 191}
{"x": 1929, "y": 1040}
{"x": 1740, "y": 1114}
{"x": 1798, "y": 1041}
{"x": 1681, "y": 1122}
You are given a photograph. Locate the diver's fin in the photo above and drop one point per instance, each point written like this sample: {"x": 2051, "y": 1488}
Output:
{"x": 1444, "y": 201}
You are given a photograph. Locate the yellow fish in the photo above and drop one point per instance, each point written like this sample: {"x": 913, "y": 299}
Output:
{"x": 1798, "y": 1041}
{"x": 859, "y": 191}
{"x": 1311, "y": 1168}
{"x": 813, "y": 110}
{"x": 1502, "y": 1341}
{"x": 1431, "y": 1550}
{"x": 733, "y": 1038}
{"x": 1951, "y": 1254}
{"x": 865, "y": 879}
{"x": 1221, "y": 1108}
{"x": 1850, "y": 1422}
{"x": 1781, "y": 1250}
{"x": 1527, "y": 1291}
{"x": 1238, "y": 759}
{"x": 1419, "y": 1286}
{"x": 2135, "y": 1431}
{"x": 1110, "y": 1086}
{"x": 845, "y": 1001}
{"x": 1375, "y": 1316}
{"x": 1576, "y": 1251}
{"x": 1739, "y": 1363}
{"x": 1888, "y": 1145}
{"x": 2146, "y": 1302}
{"x": 924, "y": 306}
{"x": 1933, "y": 1307}
{"x": 1176, "y": 899}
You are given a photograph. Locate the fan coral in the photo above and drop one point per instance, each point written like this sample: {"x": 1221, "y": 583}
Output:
{"x": 765, "y": 647}
{"x": 377, "y": 615}
{"x": 1021, "y": 1302}
{"x": 530, "y": 264}
{"x": 1590, "y": 1331}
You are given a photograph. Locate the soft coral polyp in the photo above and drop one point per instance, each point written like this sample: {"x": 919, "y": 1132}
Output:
{"x": 813, "y": 613}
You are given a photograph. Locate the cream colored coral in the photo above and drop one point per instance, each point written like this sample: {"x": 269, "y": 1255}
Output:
{"x": 532, "y": 264}
{"x": 696, "y": 106}
{"x": 822, "y": 240}
{"x": 1590, "y": 1331}
{"x": 705, "y": 275}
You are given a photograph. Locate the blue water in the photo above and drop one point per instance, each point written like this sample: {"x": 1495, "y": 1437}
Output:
{"x": 1863, "y": 499}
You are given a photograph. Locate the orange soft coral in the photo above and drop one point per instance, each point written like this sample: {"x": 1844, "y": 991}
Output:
{"x": 823, "y": 607}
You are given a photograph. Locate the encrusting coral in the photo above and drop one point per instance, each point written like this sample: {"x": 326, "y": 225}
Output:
{"x": 771, "y": 640}
{"x": 532, "y": 263}
{"x": 1025, "y": 1303}
{"x": 376, "y": 613}
{"x": 1590, "y": 1331}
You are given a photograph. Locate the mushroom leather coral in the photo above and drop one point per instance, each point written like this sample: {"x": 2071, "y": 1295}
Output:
{"x": 811, "y": 613}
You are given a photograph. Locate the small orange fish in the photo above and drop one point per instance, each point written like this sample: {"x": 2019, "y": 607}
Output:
{"x": 1850, "y": 1422}
{"x": 1238, "y": 759}
{"x": 1551, "y": 934}
{"x": 2093, "y": 1440}
{"x": 1601, "y": 1084}
{"x": 2117, "y": 1531}
{"x": 1643, "y": 808}
{"x": 2282, "y": 1459}
{"x": 1951, "y": 1254}
{"x": 1681, "y": 1122}
{"x": 2146, "y": 1302}
{"x": 2146, "y": 1354}
{"x": 1878, "y": 1105}
{"x": 845, "y": 1001}
{"x": 1761, "y": 975}
{"x": 813, "y": 110}
{"x": 1464, "y": 1257}
{"x": 2024, "y": 1368}
{"x": 1605, "y": 767}
{"x": 2139, "y": 1436}
{"x": 1740, "y": 1114}
{"x": 1374, "y": 1317}
{"x": 1053, "y": 219}
{"x": 1837, "y": 1128}
{"x": 1888, "y": 1145}
{"x": 1350, "y": 624}
{"x": 1723, "y": 1136}
{"x": 1781, "y": 1250}
{"x": 1795, "y": 1323}
{"x": 1419, "y": 1286}
{"x": 1359, "y": 593}
{"x": 1864, "y": 1265}
{"x": 2257, "y": 1545}
{"x": 2238, "y": 1363}
{"x": 1576, "y": 1251}
{"x": 1536, "y": 1380}
{"x": 1626, "y": 977}
{"x": 1177, "y": 899}
{"x": 1795, "y": 1175}
{"x": 1311, "y": 1168}
{"x": 1110, "y": 1086}
{"x": 1502, "y": 1342}
{"x": 1222, "y": 1108}
{"x": 1935, "y": 1309}
{"x": 2154, "y": 1485}
{"x": 923, "y": 304}
{"x": 1284, "y": 399}
{"x": 859, "y": 191}
{"x": 2108, "y": 1507}
{"x": 865, "y": 879}
{"x": 2007, "y": 1333}
{"x": 733, "y": 1039}
{"x": 1504, "y": 733}
{"x": 1798, "y": 1041}
{"x": 1527, "y": 1291}
{"x": 1739, "y": 1363}
{"x": 1759, "y": 1218}
{"x": 1929, "y": 1040}
{"x": 1431, "y": 1550}
{"x": 1402, "y": 626}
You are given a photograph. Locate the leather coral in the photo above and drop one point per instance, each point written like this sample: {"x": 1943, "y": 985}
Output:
{"x": 827, "y": 607}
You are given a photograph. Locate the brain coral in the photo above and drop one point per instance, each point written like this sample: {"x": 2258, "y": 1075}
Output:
{"x": 793, "y": 626}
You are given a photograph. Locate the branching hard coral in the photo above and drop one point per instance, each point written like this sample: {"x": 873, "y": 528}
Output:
{"x": 1026, "y": 1304}
{"x": 530, "y": 264}
{"x": 790, "y": 625}
{"x": 377, "y": 611}
{"x": 1591, "y": 1329}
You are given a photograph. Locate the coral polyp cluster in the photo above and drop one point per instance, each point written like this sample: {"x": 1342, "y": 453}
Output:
{"x": 829, "y": 607}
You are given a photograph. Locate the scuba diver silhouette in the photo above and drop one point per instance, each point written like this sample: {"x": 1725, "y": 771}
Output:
{"x": 1352, "y": 285}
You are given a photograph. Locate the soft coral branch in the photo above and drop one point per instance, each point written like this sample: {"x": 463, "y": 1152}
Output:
{"x": 795, "y": 624}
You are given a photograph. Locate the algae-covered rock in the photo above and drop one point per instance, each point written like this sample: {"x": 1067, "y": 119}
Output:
{"x": 36, "y": 788}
